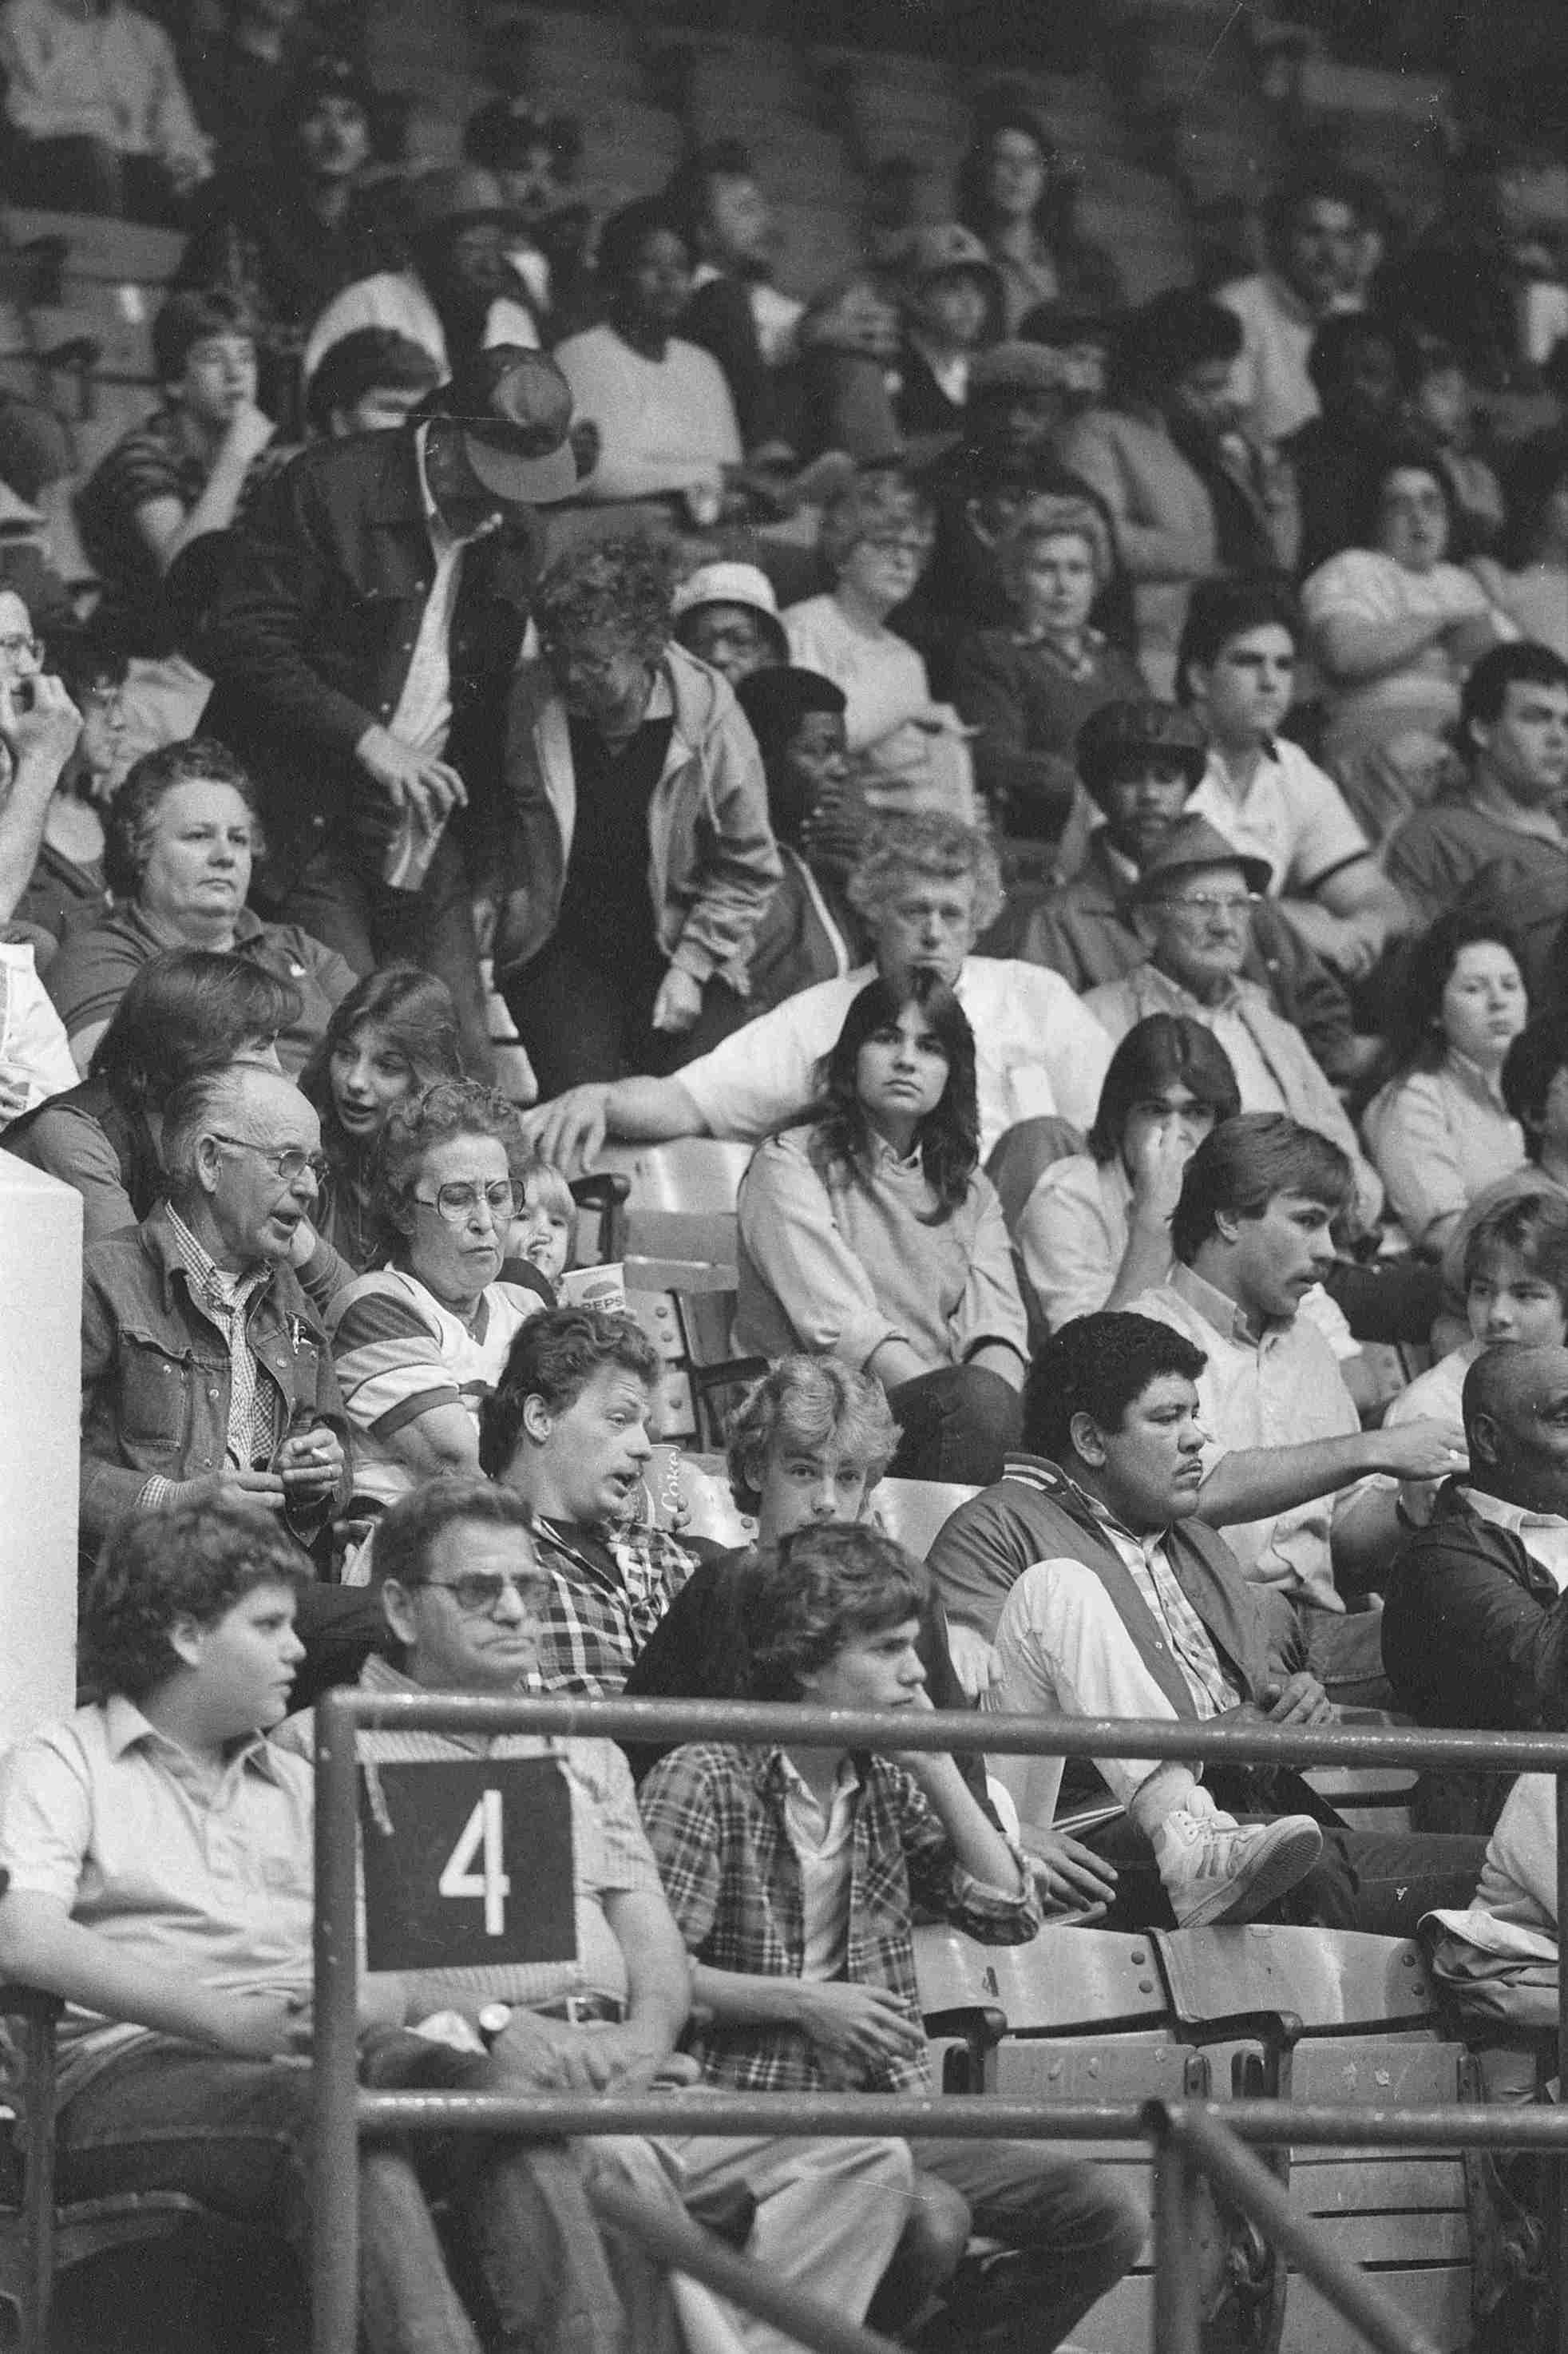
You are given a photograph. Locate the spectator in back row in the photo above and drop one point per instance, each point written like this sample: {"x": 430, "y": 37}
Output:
{"x": 97, "y": 116}
{"x": 663, "y": 413}
{"x": 1314, "y": 232}
{"x": 640, "y": 817}
{"x": 1014, "y": 193}
{"x": 1527, "y": 576}
{"x": 1140, "y": 763}
{"x": 177, "y": 856}
{"x": 1178, "y": 347}
{"x": 535, "y": 158}
{"x": 952, "y": 307}
{"x": 926, "y": 888}
{"x": 872, "y": 1236}
{"x": 727, "y": 615}
{"x": 1353, "y": 369}
{"x": 1030, "y": 688}
{"x": 285, "y": 235}
{"x": 457, "y": 294}
{"x": 735, "y": 312}
{"x": 876, "y": 537}
{"x": 1237, "y": 664}
{"x": 68, "y": 884}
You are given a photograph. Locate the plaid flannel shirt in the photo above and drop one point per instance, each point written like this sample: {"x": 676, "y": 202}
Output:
{"x": 715, "y": 1818}
{"x": 609, "y": 1591}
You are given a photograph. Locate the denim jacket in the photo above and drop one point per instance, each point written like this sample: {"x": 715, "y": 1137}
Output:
{"x": 154, "y": 1370}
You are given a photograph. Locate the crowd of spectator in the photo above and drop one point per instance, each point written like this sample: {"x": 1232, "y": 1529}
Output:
{"x": 1079, "y": 787}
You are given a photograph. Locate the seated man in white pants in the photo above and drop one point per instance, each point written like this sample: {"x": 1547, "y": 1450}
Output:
{"x": 1115, "y": 1600}
{"x": 1112, "y": 1615}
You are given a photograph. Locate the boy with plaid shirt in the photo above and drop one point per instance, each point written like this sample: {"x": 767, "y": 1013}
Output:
{"x": 793, "y": 1873}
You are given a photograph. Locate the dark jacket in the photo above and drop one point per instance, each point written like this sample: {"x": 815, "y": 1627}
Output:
{"x": 129, "y": 1136}
{"x": 309, "y": 633}
{"x": 1084, "y": 931}
{"x": 719, "y": 317}
{"x": 155, "y": 1373}
{"x": 1028, "y": 708}
{"x": 1474, "y": 1630}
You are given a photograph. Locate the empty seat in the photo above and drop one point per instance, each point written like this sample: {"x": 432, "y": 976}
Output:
{"x": 1064, "y": 1981}
{"x": 1316, "y": 1981}
{"x": 914, "y": 1512}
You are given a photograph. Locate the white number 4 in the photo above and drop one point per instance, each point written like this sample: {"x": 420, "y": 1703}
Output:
{"x": 479, "y": 1835}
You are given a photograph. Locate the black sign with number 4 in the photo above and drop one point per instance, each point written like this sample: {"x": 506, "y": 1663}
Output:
{"x": 467, "y": 1864}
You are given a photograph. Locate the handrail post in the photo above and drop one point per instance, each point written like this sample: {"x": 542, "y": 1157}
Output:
{"x": 1176, "y": 2315}
{"x": 335, "y": 2081}
{"x": 1560, "y": 2170}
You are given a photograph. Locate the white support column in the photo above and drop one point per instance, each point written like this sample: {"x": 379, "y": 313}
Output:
{"x": 40, "y": 1409}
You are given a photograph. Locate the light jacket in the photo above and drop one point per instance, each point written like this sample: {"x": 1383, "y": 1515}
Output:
{"x": 713, "y": 862}
{"x": 155, "y": 1371}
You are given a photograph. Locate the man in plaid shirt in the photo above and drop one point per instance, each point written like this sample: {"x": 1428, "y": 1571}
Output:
{"x": 792, "y": 1874}
{"x": 566, "y": 1428}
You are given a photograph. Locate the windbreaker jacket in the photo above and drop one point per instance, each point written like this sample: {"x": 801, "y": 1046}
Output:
{"x": 1474, "y": 1630}
{"x": 713, "y": 864}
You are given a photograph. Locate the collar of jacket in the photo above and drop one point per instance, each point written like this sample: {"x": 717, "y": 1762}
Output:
{"x": 161, "y": 1247}
{"x": 374, "y": 481}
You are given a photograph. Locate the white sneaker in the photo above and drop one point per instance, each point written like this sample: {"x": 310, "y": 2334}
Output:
{"x": 1215, "y": 1871}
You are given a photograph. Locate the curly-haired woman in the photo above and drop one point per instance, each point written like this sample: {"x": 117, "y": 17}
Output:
{"x": 419, "y": 1342}
{"x": 643, "y": 842}
{"x": 871, "y": 1235}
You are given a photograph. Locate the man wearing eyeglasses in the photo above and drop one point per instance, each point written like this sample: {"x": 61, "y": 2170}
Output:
{"x": 1193, "y": 910}
{"x": 467, "y": 1600}
{"x": 206, "y": 1371}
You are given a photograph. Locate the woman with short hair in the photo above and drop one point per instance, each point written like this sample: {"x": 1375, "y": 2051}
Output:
{"x": 642, "y": 838}
{"x": 180, "y": 840}
{"x": 419, "y": 1342}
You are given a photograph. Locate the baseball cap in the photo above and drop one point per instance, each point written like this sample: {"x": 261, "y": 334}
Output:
{"x": 514, "y": 408}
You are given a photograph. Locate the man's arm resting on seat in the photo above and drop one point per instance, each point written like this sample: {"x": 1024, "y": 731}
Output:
{"x": 572, "y": 1129}
{"x": 41, "y": 1946}
{"x": 1252, "y": 1482}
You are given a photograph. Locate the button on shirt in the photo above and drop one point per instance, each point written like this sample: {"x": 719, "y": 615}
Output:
{"x": 1279, "y": 1388}
{"x": 1289, "y": 813}
{"x": 1148, "y": 1564}
{"x": 253, "y": 1409}
{"x": 211, "y": 1882}
{"x": 822, "y": 1840}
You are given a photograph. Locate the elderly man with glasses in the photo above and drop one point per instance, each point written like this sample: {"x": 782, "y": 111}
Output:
{"x": 204, "y": 1368}
{"x": 1193, "y": 908}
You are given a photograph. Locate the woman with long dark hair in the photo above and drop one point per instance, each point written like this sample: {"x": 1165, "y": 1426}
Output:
{"x": 1096, "y": 1230}
{"x": 1439, "y": 1129}
{"x": 394, "y": 1034}
{"x": 1013, "y": 192}
{"x": 870, "y": 1234}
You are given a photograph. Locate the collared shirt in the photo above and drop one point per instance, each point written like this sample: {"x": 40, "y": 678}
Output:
{"x": 211, "y": 1880}
{"x": 1291, "y": 814}
{"x": 1279, "y": 1388}
{"x": 716, "y": 1820}
{"x": 1149, "y": 1565}
{"x": 609, "y": 1591}
{"x": 1037, "y": 1050}
{"x": 1271, "y": 379}
{"x": 253, "y": 1432}
{"x": 1440, "y": 1137}
{"x": 610, "y": 1854}
{"x": 1543, "y": 1535}
{"x": 425, "y": 706}
{"x": 821, "y": 1837}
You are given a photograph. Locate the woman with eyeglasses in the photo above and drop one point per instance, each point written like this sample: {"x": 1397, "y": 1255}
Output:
{"x": 180, "y": 840}
{"x": 878, "y": 535}
{"x": 1439, "y": 1128}
{"x": 419, "y": 1342}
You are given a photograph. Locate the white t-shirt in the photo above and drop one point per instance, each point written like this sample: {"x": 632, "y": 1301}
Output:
{"x": 1292, "y": 815}
{"x": 663, "y": 424}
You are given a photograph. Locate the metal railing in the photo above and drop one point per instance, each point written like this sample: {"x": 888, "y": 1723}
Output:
{"x": 1190, "y": 2139}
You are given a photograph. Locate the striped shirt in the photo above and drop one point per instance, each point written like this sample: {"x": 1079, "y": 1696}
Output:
{"x": 253, "y": 1433}
{"x": 610, "y": 1855}
{"x": 400, "y": 1354}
